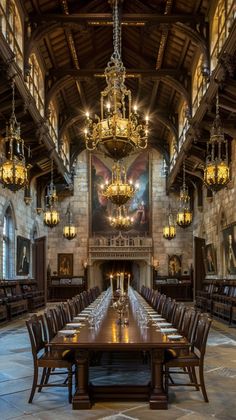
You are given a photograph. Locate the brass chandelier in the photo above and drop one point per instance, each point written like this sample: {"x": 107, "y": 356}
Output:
{"x": 184, "y": 215}
{"x": 69, "y": 229}
{"x": 13, "y": 170}
{"x": 121, "y": 220}
{"x": 51, "y": 215}
{"x": 118, "y": 131}
{"x": 169, "y": 230}
{"x": 118, "y": 190}
{"x": 216, "y": 172}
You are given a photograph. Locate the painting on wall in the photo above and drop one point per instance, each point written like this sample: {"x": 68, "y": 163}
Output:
{"x": 229, "y": 244}
{"x": 65, "y": 264}
{"x": 174, "y": 265}
{"x": 137, "y": 167}
{"x": 22, "y": 256}
{"x": 210, "y": 261}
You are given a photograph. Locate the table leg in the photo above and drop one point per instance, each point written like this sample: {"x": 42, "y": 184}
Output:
{"x": 158, "y": 399}
{"x": 81, "y": 400}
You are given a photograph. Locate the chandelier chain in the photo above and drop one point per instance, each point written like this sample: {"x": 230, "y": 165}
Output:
{"x": 217, "y": 105}
{"x": 116, "y": 33}
{"x": 184, "y": 184}
{"x": 52, "y": 172}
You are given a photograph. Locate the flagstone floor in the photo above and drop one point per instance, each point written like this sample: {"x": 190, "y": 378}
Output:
{"x": 16, "y": 372}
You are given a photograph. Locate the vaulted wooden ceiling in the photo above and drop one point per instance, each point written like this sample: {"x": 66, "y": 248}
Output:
{"x": 159, "y": 44}
{"x": 161, "y": 41}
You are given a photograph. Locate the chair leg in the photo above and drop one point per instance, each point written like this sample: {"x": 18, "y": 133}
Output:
{"x": 42, "y": 379}
{"x": 34, "y": 385}
{"x": 202, "y": 383}
{"x": 195, "y": 378}
{"x": 70, "y": 384}
{"x": 47, "y": 375}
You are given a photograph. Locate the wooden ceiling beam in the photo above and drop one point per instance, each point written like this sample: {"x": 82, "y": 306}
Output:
{"x": 83, "y": 74}
{"x": 164, "y": 36}
{"x": 103, "y": 19}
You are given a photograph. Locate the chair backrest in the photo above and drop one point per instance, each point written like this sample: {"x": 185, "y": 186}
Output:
{"x": 58, "y": 317}
{"x": 35, "y": 329}
{"x": 72, "y": 308}
{"x": 154, "y": 299}
{"x": 90, "y": 296}
{"x": 165, "y": 307}
{"x": 77, "y": 304}
{"x": 84, "y": 297}
{"x": 178, "y": 316}
{"x": 202, "y": 331}
{"x": 160, "y": 303}
{"x": 65, "y": 310}
{"x": 171, "y": 309}
{"x": 50, "y": 324}
{"x": 193, "y": 325}
{"x": 189, "y": 314}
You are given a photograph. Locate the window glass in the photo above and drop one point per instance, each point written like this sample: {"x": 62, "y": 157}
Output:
{"x": 12, "y": 28}
{"x": 35, "y": 83}
{"x": 221, "y": 23}
{"x": 53, "y": 124}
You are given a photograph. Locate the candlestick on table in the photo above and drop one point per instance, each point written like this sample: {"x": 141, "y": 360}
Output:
{"x": 111, "y": 283}
{"x": 118, "y": 281}
{"x": 128, "y": 280}
{"x": 122, "y": 283}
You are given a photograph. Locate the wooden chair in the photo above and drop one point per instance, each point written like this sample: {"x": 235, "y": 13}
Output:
{"x": 46, "y": 359}
{"x": 178, "y": 316}
{"x": 193, "y": 359}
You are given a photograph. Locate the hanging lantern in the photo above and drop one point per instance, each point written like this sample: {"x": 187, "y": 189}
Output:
{"x": 169, "y": 230}
{"x": 69, "y": 229}
{"x": 13, "y": 169}
{"x": 184, "y": 215}
{"x": 216, "y": 172}
{"x": 51, "y": 215}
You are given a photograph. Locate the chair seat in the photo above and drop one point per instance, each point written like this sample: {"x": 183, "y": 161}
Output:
{"x": 182, "y": 360}
{"x": 56, "y": 358}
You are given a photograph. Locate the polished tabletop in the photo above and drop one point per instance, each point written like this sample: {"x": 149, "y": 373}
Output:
{"x": 110, "y": 335}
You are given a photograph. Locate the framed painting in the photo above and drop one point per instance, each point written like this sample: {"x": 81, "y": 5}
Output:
{"x": 229, "y": 245}
{"x": 22, "y": 256}
{"x": 65, "y": 264}
{"x": 210, "y": 262}
{"x": 137, "y": 169}
{"x": 174, "y": 265}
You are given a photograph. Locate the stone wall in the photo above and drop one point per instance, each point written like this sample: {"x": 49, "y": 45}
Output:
{"x": 217, "y": 213}
{"x": 182, "y": 244}
{"x": 26, "y": 221}
{"x": 79, "y": 203}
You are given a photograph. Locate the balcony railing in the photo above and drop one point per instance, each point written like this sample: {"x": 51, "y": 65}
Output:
{"x": 120, "y": 247}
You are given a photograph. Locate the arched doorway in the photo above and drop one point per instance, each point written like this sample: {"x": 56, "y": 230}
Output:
{"x": 99, "y": 273}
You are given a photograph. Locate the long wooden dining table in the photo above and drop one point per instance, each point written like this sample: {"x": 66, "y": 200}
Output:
{"x": 112, "y": 337}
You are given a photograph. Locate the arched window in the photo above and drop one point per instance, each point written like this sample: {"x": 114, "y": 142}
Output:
{"x": 65, "y": 152}
{"x": 8, "y": 245}
{"x": 183, "y": 123}
{"x": 199, "y": 84}
{"x": 36, "y": 84}
{"x": 173, "y": 148}
{"x": 12, "y": 28}
{"x": 53, "y": 124}
{"x": 222, "y": 21}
